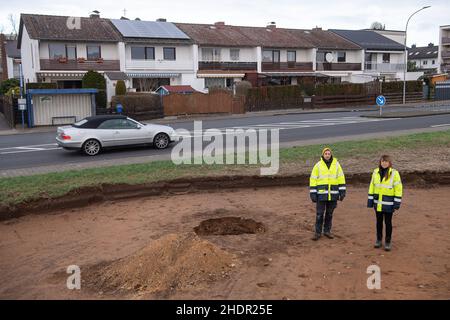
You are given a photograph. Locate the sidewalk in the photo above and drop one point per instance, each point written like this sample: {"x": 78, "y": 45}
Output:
{"x": 204, "y": 117}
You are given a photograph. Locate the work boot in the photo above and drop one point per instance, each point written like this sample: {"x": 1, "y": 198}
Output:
{"x": 328, "y": 235}
{"x": 377, "y": 244}
{"x": 316, "y": 237}
{"x": 387, "y": 246}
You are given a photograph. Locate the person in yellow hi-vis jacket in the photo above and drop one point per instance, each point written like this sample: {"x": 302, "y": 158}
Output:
{"x": 385, "y": 196}
{"x": 327, "y": 186}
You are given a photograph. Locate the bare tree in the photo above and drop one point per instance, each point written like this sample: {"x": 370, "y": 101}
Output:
{"x": 377, "y": 26}
{"x": 13, "y": 21}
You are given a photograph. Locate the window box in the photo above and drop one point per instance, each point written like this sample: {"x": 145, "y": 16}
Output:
{"x": 62, "y": 60}
{"x": 81, "y": 60}
{"x": 100, "y": 60}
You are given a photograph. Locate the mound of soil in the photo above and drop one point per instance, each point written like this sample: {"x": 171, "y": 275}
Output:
{"x": 170, "y": 263}
{"x": 229, "y": 226}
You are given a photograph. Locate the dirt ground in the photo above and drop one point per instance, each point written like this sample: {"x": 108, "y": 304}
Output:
{"x": 121, "y": 246}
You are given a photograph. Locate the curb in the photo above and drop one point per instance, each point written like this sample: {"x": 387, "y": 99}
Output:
{"x": 86, "y": 196}
{"x": 389, "y": 116}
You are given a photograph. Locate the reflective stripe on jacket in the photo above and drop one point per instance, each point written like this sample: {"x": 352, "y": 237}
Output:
{"x": 327, "y": 183}
{"x": 386, "y": 195}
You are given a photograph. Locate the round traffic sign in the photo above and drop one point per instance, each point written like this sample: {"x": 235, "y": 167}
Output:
{"x": 381, "y": 101}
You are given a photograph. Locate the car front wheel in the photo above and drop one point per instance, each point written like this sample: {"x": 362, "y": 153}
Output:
{"x": 91, "y": 147}
{"x": 161, "y": 141}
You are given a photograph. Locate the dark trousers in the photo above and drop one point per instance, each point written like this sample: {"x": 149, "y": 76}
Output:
{"x": 387, "y": 217}
{"x": 324, "y": 208}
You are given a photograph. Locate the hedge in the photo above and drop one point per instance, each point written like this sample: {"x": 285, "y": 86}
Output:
{"x": 397, "y": 86}
{"x": 41, "y": 85}
{"x": 94, "y": 80}
{"x": 121, "y": 89}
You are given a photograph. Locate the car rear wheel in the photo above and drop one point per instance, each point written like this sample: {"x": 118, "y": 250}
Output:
{"x": 91, "y": 147}
{"x": 161, "y": 141}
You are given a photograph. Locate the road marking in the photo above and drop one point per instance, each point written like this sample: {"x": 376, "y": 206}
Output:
{"x": 300, "y": 124}
{"x": 441, "y": 125}
{"x": 24, "y": 151}
{"x": 32, "y": 146}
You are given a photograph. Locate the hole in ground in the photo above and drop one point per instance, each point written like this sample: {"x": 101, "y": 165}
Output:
{"x": 229, "y": 226}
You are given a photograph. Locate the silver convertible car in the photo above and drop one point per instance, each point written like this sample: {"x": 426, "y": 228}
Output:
{"x": 92, "y": 134}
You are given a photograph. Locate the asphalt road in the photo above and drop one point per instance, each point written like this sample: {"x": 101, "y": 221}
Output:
{"x": 39, "y": 149}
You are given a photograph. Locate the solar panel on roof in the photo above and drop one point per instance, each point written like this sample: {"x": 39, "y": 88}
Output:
{"x": 148, "y": 29}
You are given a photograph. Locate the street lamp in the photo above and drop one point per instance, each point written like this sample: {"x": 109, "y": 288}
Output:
{"x": 406, "y": 53}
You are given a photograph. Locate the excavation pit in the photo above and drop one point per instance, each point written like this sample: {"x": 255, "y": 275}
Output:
{"x": 229, "y": 226}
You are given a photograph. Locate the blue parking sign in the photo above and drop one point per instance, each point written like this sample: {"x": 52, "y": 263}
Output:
{"x": 381, "y": 101}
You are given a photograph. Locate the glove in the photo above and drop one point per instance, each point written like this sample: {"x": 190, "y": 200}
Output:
{"x": 341, "y": 195}
{"x": 370, "y": 203}
{"x": 313, "y": 197}
{"x": 396, "y": 206}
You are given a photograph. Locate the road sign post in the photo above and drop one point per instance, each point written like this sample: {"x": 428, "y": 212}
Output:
{"x": 381, "y": 101}
{"x": 22, "y": 107}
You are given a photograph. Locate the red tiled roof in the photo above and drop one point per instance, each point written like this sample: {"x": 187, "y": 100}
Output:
{"x": 325, "y": 39}
{"x": 227, "y": 35}
{"x": 47, "y": 27}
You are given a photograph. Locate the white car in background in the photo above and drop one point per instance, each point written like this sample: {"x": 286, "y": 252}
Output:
{"x": 92, "y": 134}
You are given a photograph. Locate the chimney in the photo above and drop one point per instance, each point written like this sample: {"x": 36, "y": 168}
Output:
{"x": 431, "y": 44}
{"x": 95, "y": 14}
{"x": 219, "y": 23}
{"x": 414, "y": 46}
{"x": 272, "y": 25}
{"x": 317, "y": 28}
{"x": 161, "y": 20}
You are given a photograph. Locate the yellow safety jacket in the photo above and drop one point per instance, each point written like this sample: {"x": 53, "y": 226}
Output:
{"x": 386, "y": 195}
{"x": 327, "y": 184}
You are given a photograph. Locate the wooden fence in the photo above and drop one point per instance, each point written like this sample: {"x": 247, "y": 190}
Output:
{"x": 200, "y": 103}
{"x": 397, "y": 98}
{"x": 343, "y": 100}
{"x": 8, "y": 106}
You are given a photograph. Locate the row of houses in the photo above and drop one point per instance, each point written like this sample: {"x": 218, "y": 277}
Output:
{"x": 444, "y": 49}
{"x": 9, "y": 58}
{"x": 149, "y": 54}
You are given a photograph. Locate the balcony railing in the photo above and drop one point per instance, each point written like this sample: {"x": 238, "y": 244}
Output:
{"x": 445, "y": 54}
{"x": 384, "y": 67}
{"x": 287, "y": 66}
{"x": 227, "y": 66}
{"x": 159, "y": 65}
{"x": 445, "y": 40}
{"x": 75, "y": 65}
{"x": 340, "y": 66}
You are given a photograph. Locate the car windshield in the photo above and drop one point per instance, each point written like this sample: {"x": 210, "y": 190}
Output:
{"x": 137, "y": 122}
{"x": 79, "y": 123}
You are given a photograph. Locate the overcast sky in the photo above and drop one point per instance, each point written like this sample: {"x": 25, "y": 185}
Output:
{"x": 348, "y": 14}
